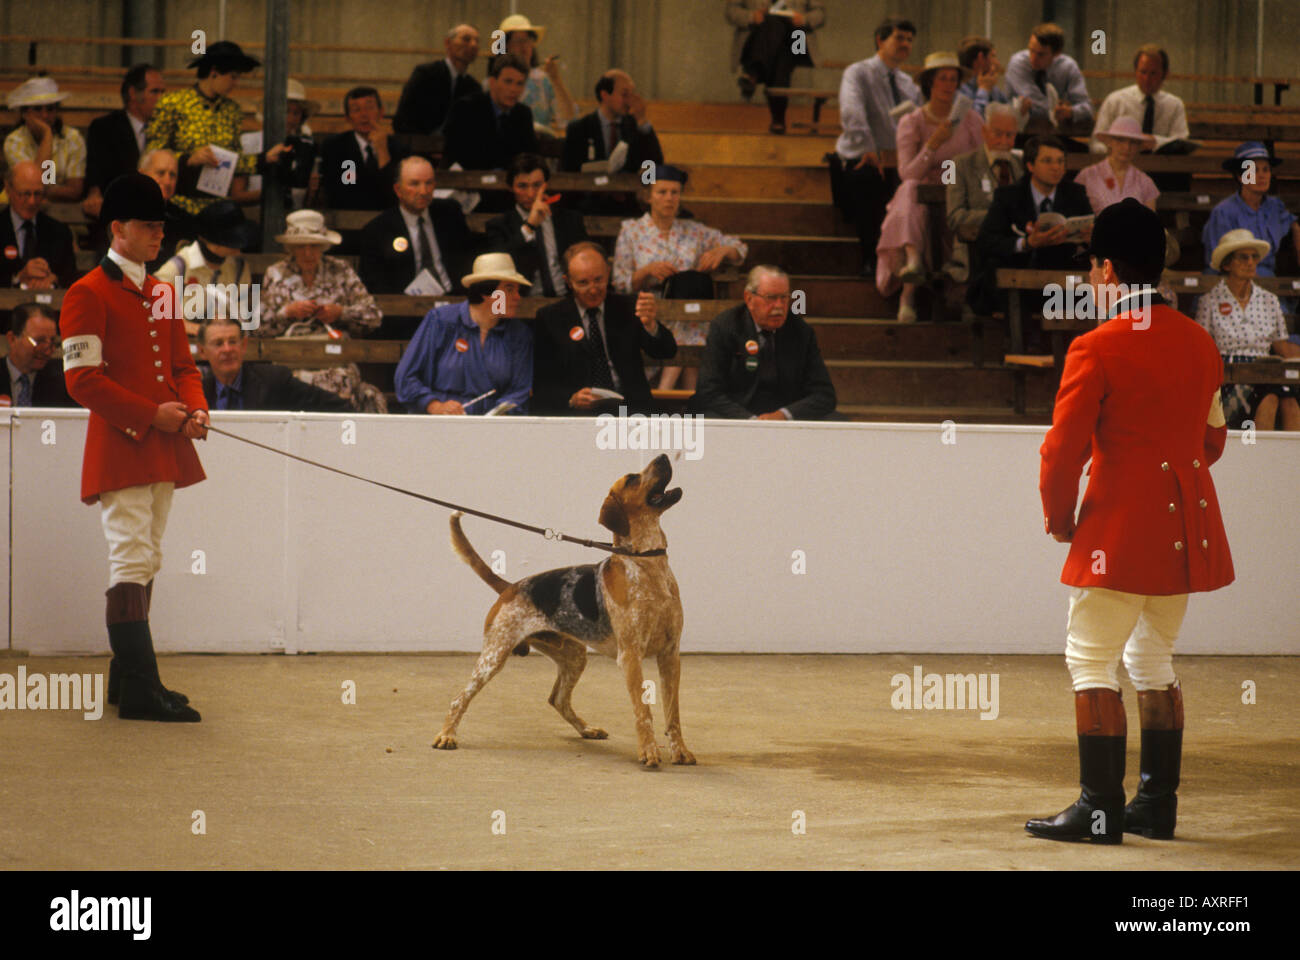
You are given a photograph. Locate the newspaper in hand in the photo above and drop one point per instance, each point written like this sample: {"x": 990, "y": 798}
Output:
{"x": 1075, "y": 226}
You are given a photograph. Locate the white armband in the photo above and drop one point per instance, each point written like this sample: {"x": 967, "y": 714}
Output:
{"x": 83, "y": 351}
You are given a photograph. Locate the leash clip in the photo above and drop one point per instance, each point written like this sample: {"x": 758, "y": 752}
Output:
{"x": 551, "y": 534}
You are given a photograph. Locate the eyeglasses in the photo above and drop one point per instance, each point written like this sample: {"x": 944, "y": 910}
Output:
{"x": 44, "y": 343}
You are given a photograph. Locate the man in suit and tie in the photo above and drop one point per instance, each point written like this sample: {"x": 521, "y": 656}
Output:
{"x": 761, "y": 362}
{"x": 487, "y": 130}
{"x": 534, "y": 232}
{"x": 420, "y": 233}
{"x": 231, "y": 384}
{"x": 433, "y": 87}
{"x": 372, "y": 152}
{"x": 36, "y": 251}
{"x": 115, "y": 141}
{"x": 1007, "y": 237}
{"x": 976, "y": 175}
{"x": 30, "y": 375}
{"x": 620, "y": 117}
{"x": 594, "y": 341}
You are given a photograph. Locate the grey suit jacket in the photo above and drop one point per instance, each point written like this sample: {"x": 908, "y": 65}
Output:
{"x": 972, "y": 192}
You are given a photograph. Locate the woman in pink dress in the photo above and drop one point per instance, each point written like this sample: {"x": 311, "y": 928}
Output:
{"x": 926, "y": 139}
{"x": 1115, "y": 178}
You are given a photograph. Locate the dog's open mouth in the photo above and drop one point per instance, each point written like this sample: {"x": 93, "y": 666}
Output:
{"x": 660, "y": 496}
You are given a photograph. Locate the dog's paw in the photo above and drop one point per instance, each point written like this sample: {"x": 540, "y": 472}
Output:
{"x": 649, "y": 756}
{"x": 683, "y": 756}
{"x": 594, "y": 733}
{"x": 445, "y": 741}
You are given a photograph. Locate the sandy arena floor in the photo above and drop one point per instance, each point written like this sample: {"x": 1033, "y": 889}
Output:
{"x": 288, "y": 776}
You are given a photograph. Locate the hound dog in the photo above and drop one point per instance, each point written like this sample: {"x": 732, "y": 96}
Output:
{"x": 626, "y": 606}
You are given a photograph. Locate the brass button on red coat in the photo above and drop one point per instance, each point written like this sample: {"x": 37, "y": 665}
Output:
{"x": 1172, "y": 508}
{"x": 1205, "y": 544}
{"x": 1164, "y": 466}
{"x": 1204, "y": 504}
{"x": 1196, "y": 464}
{"x": 1178, "y": 544}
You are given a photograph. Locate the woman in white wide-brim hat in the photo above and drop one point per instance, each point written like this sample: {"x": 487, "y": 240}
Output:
{"x": 926, "y": 140}
{"x": 1111, "y": 180}
{"x": 42, "y": 136}
{"x": 1246, "y": 323}
{"x": 465, "y": 350}
{"x": 310, "y": 294}
{"x": 545, "y": 93}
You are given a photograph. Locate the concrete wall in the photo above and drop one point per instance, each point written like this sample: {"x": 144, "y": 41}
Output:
{"x": 909, "y": 544}
{"x": 678, "y": 49}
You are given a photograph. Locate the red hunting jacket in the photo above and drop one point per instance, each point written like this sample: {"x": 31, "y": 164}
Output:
{"x": 122, "y": 363}
{"x": 1136, "y": 401}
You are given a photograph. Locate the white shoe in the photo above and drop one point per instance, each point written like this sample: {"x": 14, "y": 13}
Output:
{"x": 906, "y": 313}
{"x": 912, "y": 273}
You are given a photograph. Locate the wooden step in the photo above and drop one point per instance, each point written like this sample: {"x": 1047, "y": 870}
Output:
{"x": 934, "y": 384}
{"x": 892, "y": 413}
{"x": 841, "y": 338}
{"x": 760, "y": 182}
{"x": 794, "y": 217}
{"x": 705, "y": 146}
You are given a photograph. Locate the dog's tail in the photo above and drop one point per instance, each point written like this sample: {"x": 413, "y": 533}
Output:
{"x": 461, "y": 545}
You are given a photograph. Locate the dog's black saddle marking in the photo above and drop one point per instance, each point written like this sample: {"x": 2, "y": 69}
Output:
{"x": 570, "y": 598}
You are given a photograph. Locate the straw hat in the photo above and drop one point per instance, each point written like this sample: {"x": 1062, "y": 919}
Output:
{"x": 517, "y": 21}
{"x": 35, "y": 92}
{"x": 943, "y": 60}
{"x": 294, "y": 90}
{"x": 1234, "y": 240}
{"x": 1126, "y": 128}
{"x": 307, "y": 227}
{"x": 494, "y": 266}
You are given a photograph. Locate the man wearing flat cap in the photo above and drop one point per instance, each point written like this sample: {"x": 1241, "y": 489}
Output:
{"x": 1139, "y": 396}
{"x": 191, "y": 122}
{"x": 128, "y": 362}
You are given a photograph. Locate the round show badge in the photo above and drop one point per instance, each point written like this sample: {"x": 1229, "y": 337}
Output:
{"x": 462, "y": 345}
{"x": 11, "y": 253}
{"x": 1225, "y": 308}
{"x": 400, "y": 244}
{"x": 576, "y": 334}
{"x": 751, "y": 347}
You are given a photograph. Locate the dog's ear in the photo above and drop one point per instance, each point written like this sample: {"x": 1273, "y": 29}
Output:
{"x": 613, "y": 517}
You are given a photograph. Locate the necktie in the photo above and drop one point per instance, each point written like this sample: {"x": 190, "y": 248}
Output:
{"x": 539, "y": 238}
{"x": 893, "y": 89}
{"x": 24, "y": 390}
{"x": 1046, "y": 205}
{"x": 1003, "y": 169}
{"x": 611, "y": 140}
{"x": 228, "y": 398}
{"x": 1149, "y": 116}
{"x": 1040, "y": 78}
{"x": 372, "y": 164}
{"x": 599, "y": 364}
{"x": 29, "y": 239}
{"x": 424, "y": 260}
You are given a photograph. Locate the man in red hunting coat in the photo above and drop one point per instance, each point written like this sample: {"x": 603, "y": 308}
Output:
{"x": 1140, "y": 396}
{"x": 127, "y": 360}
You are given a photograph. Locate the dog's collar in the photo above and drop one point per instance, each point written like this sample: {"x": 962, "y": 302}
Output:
{"x": 622, "y": 551}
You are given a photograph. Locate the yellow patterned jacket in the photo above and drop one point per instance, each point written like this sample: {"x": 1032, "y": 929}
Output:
{"x": 185, "y": 121}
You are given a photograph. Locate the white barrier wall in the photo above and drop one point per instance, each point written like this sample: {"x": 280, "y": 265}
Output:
{"x": 908, "y": 543}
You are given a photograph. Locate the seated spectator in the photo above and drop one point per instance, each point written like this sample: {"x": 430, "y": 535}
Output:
{"x": 1116, "y": 177}
{"x": 310, "y": 294}
{"x": 231, "y": 384}
{"x": 659, "y": 245}
{"x": 214, "y": 257}
{"x": 926, "y": 140}
{"x": 762, "y": 49}
{"x": 419, "y": 234}
{"x": 870, "y": 91}
{"x": 1031, "y": 71}
{"x": 1007, "y": 237}
{"x": 1156, "y": 111}
{"x": 545, "y": 94}
{"x": 161, "y": 167}
{"x": 619, "y": 117}
{"x": 761, "y": 361}
{"x": 487, "y": 130}
{"x": 975, "y": 177}
{"x": 593, "y": 342}
{"x": 1252, "y": 208}
{"x": 37, "y": 250}
{"x": 190, "y": 122}
{"x": 985, "y": 86}
{"x": 32, "y": 375}
{"x": 41, "y": 136}
{"x": 115, "y": 141}
{"x": 1246, "y": 323}
{"x": 433, "y": 87}
{"x": 288, "y": 164}
{"x": 465, "y": 350}
{"x": 534, "y": 231}
{"x": 358, "y": 166}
